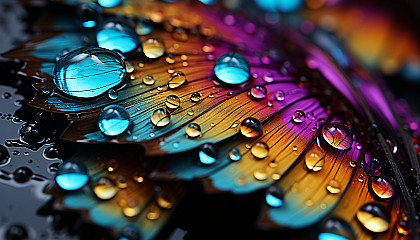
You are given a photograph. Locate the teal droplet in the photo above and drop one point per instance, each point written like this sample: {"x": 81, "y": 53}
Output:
{"x": 116, "y": 34}
{"x": 113, "y": 120}
{"x": 207, "y": 153}
{"x": 232, "y": 68}
{"x": 71, "y": 176}
{"x": 274, "y": 197}
{"x": 109, "y": 3}
{"x": 88, "y": 72}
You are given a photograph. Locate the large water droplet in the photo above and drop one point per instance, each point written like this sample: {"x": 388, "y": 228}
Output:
{"x": 71, "y": 175}
{"x": 335, "y": 228}
{"x": 232, "y": 68}
{"x": 109, "y": 3}
{"x": 258, "y": 92}
{"x": 153, "y": 47}
{"x": 172, "y": 102}
{"x": 338, "y": 136}
{"x": 88, "y": 72}
{"x": 373, "y": 217}
{"x": 113, "y": 120}
{"x": 193, "y": 130}
{"x": 116, "y": 34}
{"x": 382, "y": 187}
{"x": 259, "y": 150}
{"x": 314, "y": 159}
{"x": 143, "y": 28}
{"x": 207, "y": 153}
{"x": 251, "y": 127}
{"x": 160, "y": 117}
{"x": 176, "y": 80}
{"x": 298, "y": 116}
{"x": 105, "y": 188}
{"x": 333, "y": 186}
{"x": 89, "y": 14}
{"x": 274, "y": 196}
{"x": 234, "y": 154}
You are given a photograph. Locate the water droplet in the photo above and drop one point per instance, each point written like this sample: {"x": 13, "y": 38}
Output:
{"x": 51, "y": 152}
{"x": 208, "y": 48}
{"x": 160, "y": 117}
{"x": 207, "y": 153}
{"x": 382, "y": 187}
{"x": 112, "y": 165}
{"x": 122, "y": 182}
{"x": 4, "y": 154}
{"x": 112, "y": 94}
{"x": 22, "y": 174}
{"x": 190, "y": 112}
{"x": 393, "y": 147}
{"x": 280, "y": 95}
{"x": 232, "y": 68}
{"x": 57, "y": 57}
{"x": 260, "y": 174}
{"x": 164, "y": 202}
{"x": 172, "y": 102}
{"x": 176, "y": 80}
{"x": 373, "y": 166}
{"x": 180, "y": 34}
{"x": 71, "y": 175}
{"x": 259, "y": 150}
{"x": 16, "y": 232}
{"x": 234, "y": 154}
{"x": 274, "y": 196}
{"x": 143, "y": 28}
{"x": 258, "y": 92}
{"x": 88, "y": 72}
{"x": 113, "y": 120}
{"x": 170, "y": 59}
{"x": 193, "y": 130}
{"x": 138, "y": 176}
{"x": 373, "y": 217}
{"x": 334, "y": 228}
{"x": 251, "y": 127}
{"x": 129, "y": 67}
{"x": 109, "y": 3}
{"x": 130, "y": 232}
{"x": 153, "y": 213}
{"x": 358, "y": 145}
{"x": 148, "y": 80}
{"x": 153, "y": 47}
{"x": 195, "y": 97}
{"x": 268, "y": 77}
{"x": 275, "y": 176}
{"x": 105, "y": 188}
{"x": 299, "y": 116}
{"x": 360, "y": 178}
{"x": 337, "y": 135}
{"x": 130, "y": 207}
{"x": 403, "y": 227}
{"x": 116, "y": 34}
{"x": 353, "y": 163}
{"x": 314, "y": 159}
{"x": 333, "y": 186}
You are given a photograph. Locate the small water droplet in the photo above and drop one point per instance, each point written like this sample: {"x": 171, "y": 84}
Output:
{"x": 122, "y": 182}
{"x": 373, "y": 217}
{"x": 234, "y": 154}
{"x": 153, "y": 47}
{"x": 208, "y": 48}
{"x": 113, "y": 120}
{"x": 170, "y": 59}
{"x": 105, "y": 188}
{"x": 258, "y": 92}
{"x": 148, "y": 80}
{"x": 153, "y": 213}
{"x": 299, "y": 116}
{"x": 232, "y": 68}
{"x": 260, "y": 174}
{"x": 71, "y": 175}
{"x": 207, "y": 153}
{"x": 268, "y": 77}
{"x": 164, "y": 202}
{"x": 50, "y": 152}
{"x": 251, "y": 127}
{"x": 130, "y": 207}
{"x": 274, "y": 196}
{"x": 382, "y": 187}
{"x": 190, "y": 112}
{"x": 112, "y": 94}
{"x": 180, "y": 34}
{"x": 374, "y": 166}
{"x": 172, "y": 102}
{"x": 143, "y": 28}
{"x": 353, "y": 164}
{"x": 259, "y": 150}
{"x": 129, "y": 66}
{"x": 403, "y": 227}
{"x": 176, "y": 80}
{"x": 333, "y": 186}
{"x": 193, "y": 130}
{"x": 275, "y": 176}
{"x": 112, "y": 165}
{"x": 360, "y": 178}
{"x": 314, "y": 159}
{"x": 138, "y": 176}
{"x": 161, "y": 117}
{"x": 338, "y": 136}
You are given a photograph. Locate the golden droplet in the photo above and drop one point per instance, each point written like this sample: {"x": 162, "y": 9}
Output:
{"x": 260, "y": 174}
{"x": 333, "y": 186}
